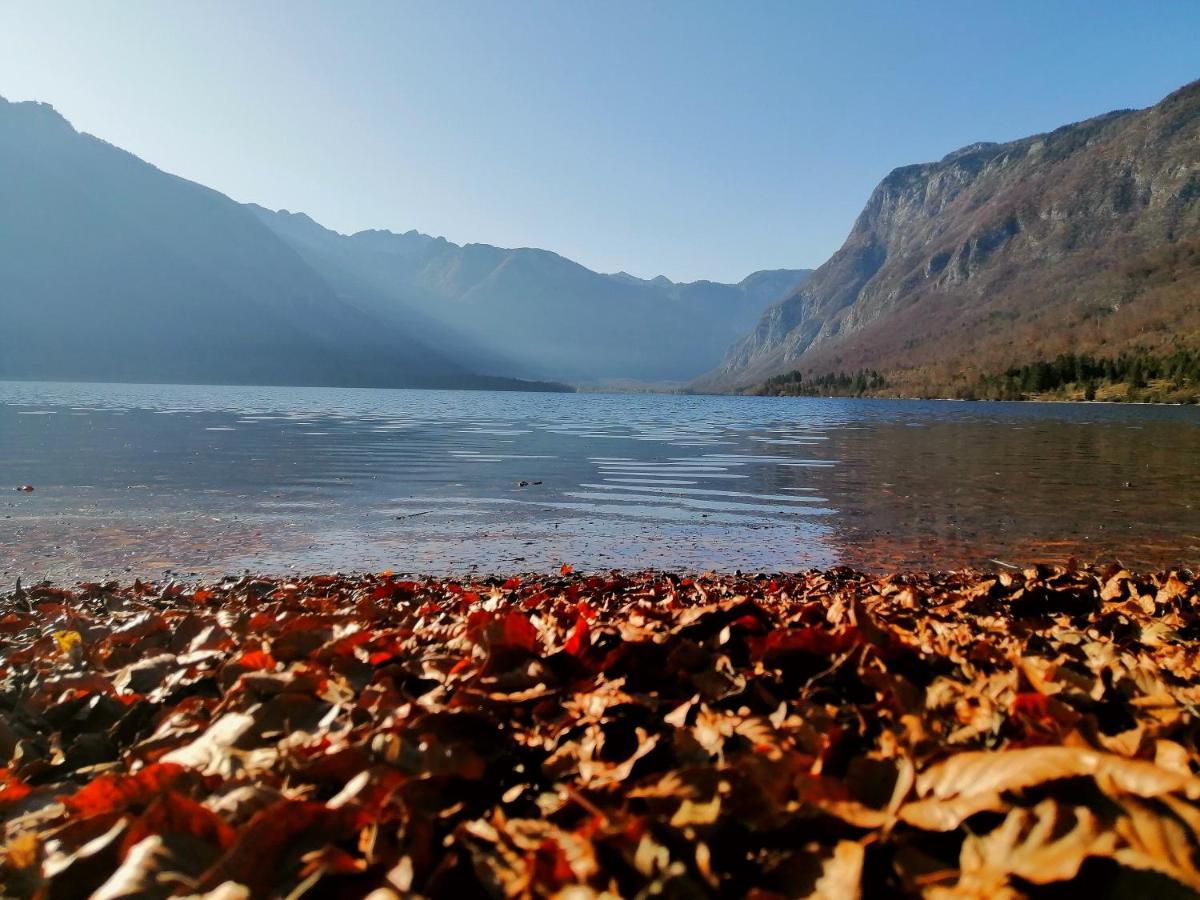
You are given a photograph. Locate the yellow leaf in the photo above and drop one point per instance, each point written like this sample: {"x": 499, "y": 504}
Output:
{"x": 23, "y": 851}
{"x": 67, "y": 640}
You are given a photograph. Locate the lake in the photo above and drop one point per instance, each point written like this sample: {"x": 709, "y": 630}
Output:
{"x": 150, "y": 480}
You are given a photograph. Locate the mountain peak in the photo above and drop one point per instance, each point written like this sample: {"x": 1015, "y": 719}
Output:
{"x": 35, "y": 111}
{"x": 298, "y": 216}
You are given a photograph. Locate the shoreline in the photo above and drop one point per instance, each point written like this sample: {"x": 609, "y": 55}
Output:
{"x": 917, "y": 399}
{"x": 700, "y": 735}
{"x": 572, "y": 388}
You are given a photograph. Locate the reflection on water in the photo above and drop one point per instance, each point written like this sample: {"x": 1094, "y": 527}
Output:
{"x": 138, "y": 479}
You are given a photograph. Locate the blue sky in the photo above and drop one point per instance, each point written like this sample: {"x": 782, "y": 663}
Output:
{"x": 692, "y": 139}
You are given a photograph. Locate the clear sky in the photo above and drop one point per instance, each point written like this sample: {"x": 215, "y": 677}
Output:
{"x": 692, "y": 139}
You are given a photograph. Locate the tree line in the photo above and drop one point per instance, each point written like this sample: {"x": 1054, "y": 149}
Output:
{"x": 1134, "y": 375}
{"x": 1176, "y": 373}
{"x": 834, "y": 384}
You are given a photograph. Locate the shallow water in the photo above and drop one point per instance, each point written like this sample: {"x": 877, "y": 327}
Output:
{"x": 139, "y": 479}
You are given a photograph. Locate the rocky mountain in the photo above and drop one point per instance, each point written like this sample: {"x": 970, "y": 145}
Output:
{"x": 1086, "y": 239}
{"x": 532, "y": 312}
{"x": 111, "y": 269}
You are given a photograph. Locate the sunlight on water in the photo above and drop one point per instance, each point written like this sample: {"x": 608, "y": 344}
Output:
{"x": 137, "y": 478}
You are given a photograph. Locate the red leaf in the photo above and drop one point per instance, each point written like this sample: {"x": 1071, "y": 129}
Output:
{"x": 283, "y": 826}
{"x": 551, "y": 866}
{"x": 344, "y": 648}
{"x": 12, "y": 788}
{"x": 509, "y": 629}
{"x": 533, "y": 601}
{"x": 818, "y": 641}
{"x": 566, "y": 569}
{"x": 255, "y": 659}
{"x": 115, "y": 792}
{"x": 519, "y": 631}
{"x": 477, "y": 623}
{"x": 173, "y": 813}
{"x": 580, "y": 639}
{"x": 1031, "y": 704}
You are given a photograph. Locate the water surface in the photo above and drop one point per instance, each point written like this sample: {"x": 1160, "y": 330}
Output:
{"x": 142, "y": 479}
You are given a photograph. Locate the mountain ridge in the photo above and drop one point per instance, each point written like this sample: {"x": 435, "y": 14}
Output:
{"x": 536, "y": 312}
{"x": 1026, "y": 242}
{"x": 113, "y": 269}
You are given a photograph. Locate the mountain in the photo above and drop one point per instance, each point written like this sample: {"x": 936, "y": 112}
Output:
{"x": 113, "y": 270}
{"x": 1086, "y": 239}
{"x": 532, "y": 312}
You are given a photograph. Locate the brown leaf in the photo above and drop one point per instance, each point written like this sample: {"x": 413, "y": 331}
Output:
{"x": 973, "y": 774}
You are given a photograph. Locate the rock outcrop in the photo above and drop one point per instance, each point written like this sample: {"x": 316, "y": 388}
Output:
{"x": 1085, "y": 239}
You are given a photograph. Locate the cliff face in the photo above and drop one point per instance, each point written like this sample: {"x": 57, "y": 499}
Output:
{"x": 1079, "y": 239}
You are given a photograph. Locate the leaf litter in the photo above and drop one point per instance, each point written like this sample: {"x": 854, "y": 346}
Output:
{"x": 826, "y": 734}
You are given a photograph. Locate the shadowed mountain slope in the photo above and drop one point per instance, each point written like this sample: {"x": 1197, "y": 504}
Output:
{"x": 532, "y": 312}
{"x": 113, "y": 270}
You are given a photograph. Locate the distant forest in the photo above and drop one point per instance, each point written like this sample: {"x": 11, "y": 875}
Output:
{"x": 1134, "y": 376}
{"x": 839, "y": 384}
{"x": 1131, "y": 376}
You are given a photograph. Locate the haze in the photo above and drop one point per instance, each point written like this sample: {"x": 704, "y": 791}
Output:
{"x": 691, "y": 140}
